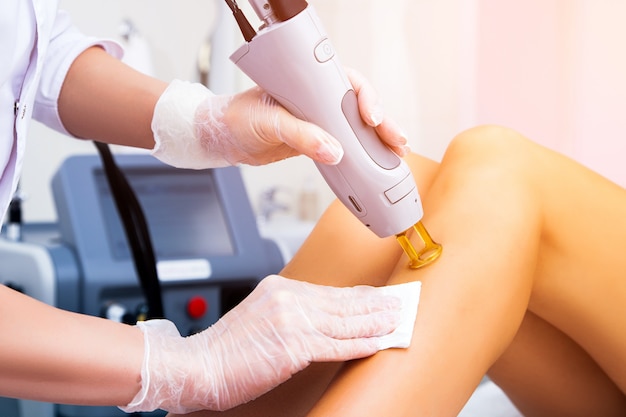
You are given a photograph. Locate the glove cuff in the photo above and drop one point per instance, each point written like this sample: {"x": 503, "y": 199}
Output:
{"x": 175, "y": 127}
{"x": 150, "y": 397}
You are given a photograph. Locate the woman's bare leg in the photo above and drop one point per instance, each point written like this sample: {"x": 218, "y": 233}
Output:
{"x": 522, "y": 228}
{"x": 473, "y": 299}
{"x": 512, "y": 217}
{"x": 546, "y": 374}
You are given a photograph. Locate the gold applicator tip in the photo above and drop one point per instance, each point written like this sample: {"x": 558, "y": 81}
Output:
{"x": 429, "y": 253}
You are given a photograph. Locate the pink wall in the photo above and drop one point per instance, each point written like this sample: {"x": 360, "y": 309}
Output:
{"x": 556, "y": 71}
{"x": 599, "y": 116}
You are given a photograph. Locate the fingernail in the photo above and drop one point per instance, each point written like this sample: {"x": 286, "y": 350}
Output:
{"x": 376, "y": 115}
{"x": 389, "y": 322}
{"x": 394, "y": 319}
{"x": 404, "y": 150}
{"x": 402, "y": 143}
{"x": 404, "y": 137}
{"x": 331, "y": 151}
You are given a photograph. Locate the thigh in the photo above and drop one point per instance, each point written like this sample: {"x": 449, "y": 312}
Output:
{"x": 545, "y": 373}
{"x": 579, "y": 283}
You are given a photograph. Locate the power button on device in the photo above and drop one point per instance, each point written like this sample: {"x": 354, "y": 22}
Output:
{"x": 324, "y": 51}
{"x": 196, "y": 307}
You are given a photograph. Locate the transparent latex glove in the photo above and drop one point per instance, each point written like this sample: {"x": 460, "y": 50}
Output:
{"x": 193, "y": 128}
{"x": 279, "y": 329}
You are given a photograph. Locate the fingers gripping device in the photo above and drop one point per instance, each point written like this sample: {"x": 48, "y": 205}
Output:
{"x": 292, "y": 59}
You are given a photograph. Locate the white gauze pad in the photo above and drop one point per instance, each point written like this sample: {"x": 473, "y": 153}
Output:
{"x": 409, "y": 293}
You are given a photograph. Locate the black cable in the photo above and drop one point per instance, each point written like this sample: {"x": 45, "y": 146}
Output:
{"x": 136, "y": 230}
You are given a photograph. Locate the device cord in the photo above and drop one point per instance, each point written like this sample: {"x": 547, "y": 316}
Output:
{"x": 136, "y": 230}
{"x": 245, "y": 27}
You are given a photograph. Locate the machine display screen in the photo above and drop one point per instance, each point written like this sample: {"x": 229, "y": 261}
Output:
{"x": 182, "y": 209}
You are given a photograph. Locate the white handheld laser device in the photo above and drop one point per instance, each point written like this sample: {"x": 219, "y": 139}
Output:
{"x": 293, "y": 60}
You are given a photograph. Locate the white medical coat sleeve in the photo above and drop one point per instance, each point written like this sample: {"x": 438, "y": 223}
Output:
{"x": 66, "y": 43}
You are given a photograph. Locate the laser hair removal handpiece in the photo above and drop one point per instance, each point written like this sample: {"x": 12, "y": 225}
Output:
{"x": 293, "y": 60}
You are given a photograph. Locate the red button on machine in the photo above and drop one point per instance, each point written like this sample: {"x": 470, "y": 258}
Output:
{"x": 196, "y": 307}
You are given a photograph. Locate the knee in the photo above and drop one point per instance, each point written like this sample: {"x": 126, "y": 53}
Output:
{"x": 487, "y": 142}
{"x": 489, "y": 148}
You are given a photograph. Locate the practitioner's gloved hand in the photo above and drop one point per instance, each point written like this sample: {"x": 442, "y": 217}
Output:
{"x": 278, "y": 330}
{"x": 193, "y": 128}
